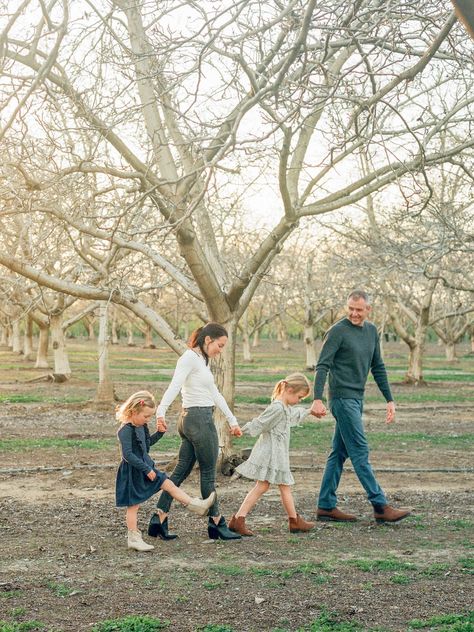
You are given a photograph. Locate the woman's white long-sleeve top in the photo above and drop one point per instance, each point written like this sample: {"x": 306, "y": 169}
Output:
{"x": 195, "y": 381}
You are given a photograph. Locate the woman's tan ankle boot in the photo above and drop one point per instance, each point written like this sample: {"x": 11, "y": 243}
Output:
{"x": 135, "y": 541}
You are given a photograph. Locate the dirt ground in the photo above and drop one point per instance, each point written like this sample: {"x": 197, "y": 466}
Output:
{"x": 64, "y": 560}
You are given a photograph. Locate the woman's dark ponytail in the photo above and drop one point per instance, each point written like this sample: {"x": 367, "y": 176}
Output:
{"x": 198, "y": 336}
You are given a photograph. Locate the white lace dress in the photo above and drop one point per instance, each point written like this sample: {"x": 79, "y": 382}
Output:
{"x": 270, "y": 456}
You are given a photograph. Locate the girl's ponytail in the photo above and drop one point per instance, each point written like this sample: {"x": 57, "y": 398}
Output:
{"x": 296, "y": 381}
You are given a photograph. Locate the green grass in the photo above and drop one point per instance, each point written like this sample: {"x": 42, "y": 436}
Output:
{"x": 388, "y": 564}
{"x": 33, "y": 398}
{"x": 131, "y": 624}
{"x": 24, "y": 626}
{"x": 60, "y": 590}
{"x": 16, "y": 445}
{"x": 446, "y": 623}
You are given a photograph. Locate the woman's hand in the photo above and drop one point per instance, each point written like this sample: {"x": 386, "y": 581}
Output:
{"x": 161, "y": 425}
{"x": 235, "y": 431}
{"x": 151, "y": 475}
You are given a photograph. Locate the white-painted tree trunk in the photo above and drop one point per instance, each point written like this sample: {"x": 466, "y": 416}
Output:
{"x": 42, "y": 351}
{"x": 4, "y": 337}
{"x": 223, "y": 369}
{"x": 105, "y": 389}
{"x": 247, "y": 353}
{"x": 130, "y": 341}
{"x": 148, "y": 338}
{"x": 450, "y": 351}
{"x": 17, "y": 347}
{"x": 61, "y": 360}
{"x": 28, "y": 339}
{"x": 256, "y": 338}
{"x": 113, "y": 328}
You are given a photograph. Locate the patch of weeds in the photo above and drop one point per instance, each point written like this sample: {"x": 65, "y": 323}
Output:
{"x": 131, "y": 624}
{"x": 24, "y": 626}
{"x": 257, "y": 570}
{"x": 401, "y": 579}
{"x": 182, "y": 599}
{"x": 60, "y": 590}
{"x": 308, "y": 568}
{"x": 328, "y": 622}
{"x": 228, "y": 570}
{"x": 9, "y": 594}
{"x": 467, "y": 544}
{"x": 458, "y": 525}
{"x": 467, "y": 564}
{"x": 389, "y": 564}
{"x": 17, "y": 612}
{"x": 368, "y": 586}
{"x": 212, "y": 585}
{"x": 446, "y": 623}
{"x": 215, "y": 628}
{"x": 435, "y": 570}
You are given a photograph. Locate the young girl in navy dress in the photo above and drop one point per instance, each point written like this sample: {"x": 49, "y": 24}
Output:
{"x": 137, "y": 477}
{"x": 269, "y": 461}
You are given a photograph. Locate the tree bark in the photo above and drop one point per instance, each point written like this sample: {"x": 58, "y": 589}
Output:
{"x": 61, "y": 359}
{"x": 42, "y": 351}
{"x": 28, "y": 339}
{"x": 105, "y": 389}
{"x": 16, "y": 337}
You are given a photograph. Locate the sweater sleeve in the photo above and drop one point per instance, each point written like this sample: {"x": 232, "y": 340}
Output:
{"x": 380, "y": 373}
{"x": 297, "y": 414}
{"x": 220, "y": 402}
{"x": 125, "y": 435}
{"x": 270, "y": 417}
{"x": 183, "y": 369}
{"x": 326, "y": 359}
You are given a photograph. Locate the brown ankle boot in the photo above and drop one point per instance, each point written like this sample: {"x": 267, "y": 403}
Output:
{"x": 238, "y": 525}
{"x": 300, "y": 525}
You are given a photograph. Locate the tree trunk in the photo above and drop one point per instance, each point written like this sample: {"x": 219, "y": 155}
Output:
{"x": 130, "y": 341}
{"x": 256, "y": 339}
{"x": 28, "y": 339}
{"x": 246, "y": 339}
{"x": 105, "y": 389}
{"x": 4, "y": 337}
{"x": 42, "y": 351}
{"x": 149, "y": 338}
{"x": 90, "y": 328}
{"x": 223, "y": 369}
{"x": 16, "y": 337}
{"x": 61, "y": 360}
{"x": 113, "y": 327}
{"x": 415, "y": 360}
{"x": 450, "y": 350}
{"x": 283, "y": 335}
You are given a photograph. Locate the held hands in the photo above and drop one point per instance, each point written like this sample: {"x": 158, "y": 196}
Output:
{"x": 161, "y": 425}
{"x": 390, "y": 412}
{"x": 318, "y": 409}
{"x": 235, "y": 431}
{"x": 151, "y": 475}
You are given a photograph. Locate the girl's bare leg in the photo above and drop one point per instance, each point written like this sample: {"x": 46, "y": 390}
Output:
{"x": 287, "y": 500}
{"x": 131, "y": 517}
{"x": 252, "y": 498}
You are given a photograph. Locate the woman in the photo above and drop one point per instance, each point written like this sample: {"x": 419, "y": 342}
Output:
{"x": 199, "y": 440}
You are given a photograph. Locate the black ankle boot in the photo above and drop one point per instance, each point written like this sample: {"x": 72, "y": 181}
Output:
{"x": 221, "y": 530}
{"x": 158, "y": 529}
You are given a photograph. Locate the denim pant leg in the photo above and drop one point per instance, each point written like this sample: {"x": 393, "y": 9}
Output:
{"x": 348, "y": 414}
{"x": 186, "y": 461}
{"x": 332, "y": 472}
{"x": 200, "y": 429}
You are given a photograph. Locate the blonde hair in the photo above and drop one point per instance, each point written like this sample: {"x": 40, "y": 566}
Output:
{"x": 133, "y": 404}
{"x": 296, "y": 381}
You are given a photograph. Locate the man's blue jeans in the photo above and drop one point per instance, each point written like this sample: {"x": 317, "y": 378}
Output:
{"x": 349, "y": 441}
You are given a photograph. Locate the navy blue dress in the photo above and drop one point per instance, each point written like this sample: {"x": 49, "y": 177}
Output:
{"x": 132, "y": 486}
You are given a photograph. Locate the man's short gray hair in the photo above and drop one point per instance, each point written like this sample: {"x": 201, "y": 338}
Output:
{"x": 360, "y": 294}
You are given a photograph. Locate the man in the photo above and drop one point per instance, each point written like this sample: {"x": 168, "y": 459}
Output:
{"x": 351, "y": 348}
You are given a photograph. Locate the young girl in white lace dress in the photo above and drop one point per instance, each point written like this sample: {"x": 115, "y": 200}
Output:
{"x": 269, "y": 461}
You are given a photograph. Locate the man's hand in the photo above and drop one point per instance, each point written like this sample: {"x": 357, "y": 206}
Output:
{"x": 235, "y": 431}
{"x": 318, "y": 409}
{"x": 390, "y": 412}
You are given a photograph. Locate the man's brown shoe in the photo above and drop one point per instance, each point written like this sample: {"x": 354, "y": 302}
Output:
{"x": 300, "y": 525}
{"x": 334, "y": 515}
{"x": 390, "y": 514}
{"x": 238, "y": 525}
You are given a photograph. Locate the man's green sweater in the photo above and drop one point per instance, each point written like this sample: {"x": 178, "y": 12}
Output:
{"x": 349, "y": 352}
